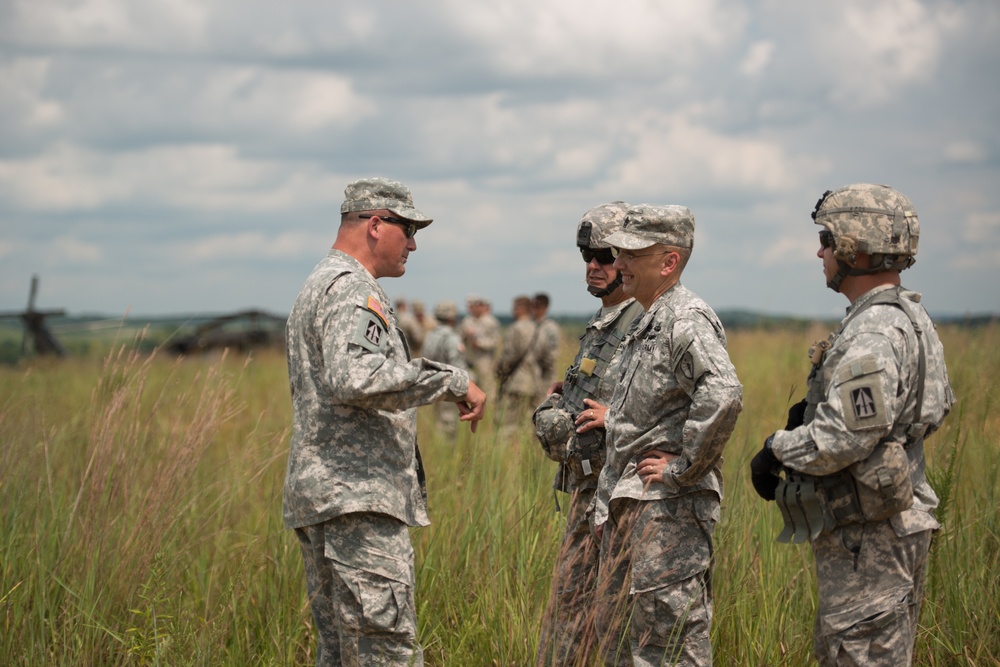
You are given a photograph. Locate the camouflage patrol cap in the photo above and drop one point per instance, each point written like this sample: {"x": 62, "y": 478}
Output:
{"x": 446, "y": 310}
{"x": 598, "y": 223}
{"x": 377, "y": 193}
{"x": 649, "y": 224}
{"x": 869, "y": 218}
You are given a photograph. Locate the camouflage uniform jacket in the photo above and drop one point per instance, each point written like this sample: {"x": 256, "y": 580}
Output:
{"x": 481, "y": 336}
{"x": 863, "y": 390}
{"x": 354, "y": 397}
{"x": 549, "y": 336}
{"x": 675, "y": 390}
{"x": 519, "y": 357}
{"x": 443, "y": 344}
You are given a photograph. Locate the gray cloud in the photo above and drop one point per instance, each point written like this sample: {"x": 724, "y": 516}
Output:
{"x": 183, "y": 155}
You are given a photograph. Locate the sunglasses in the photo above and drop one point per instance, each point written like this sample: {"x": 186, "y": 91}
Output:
{"x": 628, "y": 255}
{"x": 826, "y": 239}
{"x": 603, "y": 256}
{"x": 409, "y": 228}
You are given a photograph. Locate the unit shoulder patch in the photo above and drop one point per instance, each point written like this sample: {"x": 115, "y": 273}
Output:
{"x": 862, "y": 397}
{"x": 371, "y": 331}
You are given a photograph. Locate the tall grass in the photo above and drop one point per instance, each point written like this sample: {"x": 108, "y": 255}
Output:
{"x": 140, "y": 520}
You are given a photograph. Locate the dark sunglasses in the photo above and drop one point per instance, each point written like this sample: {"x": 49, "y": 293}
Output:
{"x": 409, "y": 228}
{"x": 826, "y": 239}
{"x": 603, "y": 256}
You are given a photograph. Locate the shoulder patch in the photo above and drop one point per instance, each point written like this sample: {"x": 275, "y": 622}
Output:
{"x": 862, "y": 396}
{"x": 371, "y": 332}
{"x": 376, "y": 307}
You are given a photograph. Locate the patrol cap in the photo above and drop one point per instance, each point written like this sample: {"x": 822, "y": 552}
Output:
{"x": 446, "y": 310}
{"x": 649, "y": 224}
{"x": 377, "y": 193}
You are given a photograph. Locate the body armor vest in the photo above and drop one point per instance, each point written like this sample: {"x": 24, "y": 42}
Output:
{"x": 874, "y": 489}
{"x": 585, "y": 455}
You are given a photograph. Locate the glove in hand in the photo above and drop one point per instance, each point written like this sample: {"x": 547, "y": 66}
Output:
{"x": 764, "y": 468}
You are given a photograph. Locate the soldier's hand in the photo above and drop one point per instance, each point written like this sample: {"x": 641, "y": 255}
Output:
{"x": 592, "y": 417}
{"x": 654, "y": 462}
{"x": 472, "y": 406}
{"x": 764, "y": 468}
{"x": 796, "y": 415}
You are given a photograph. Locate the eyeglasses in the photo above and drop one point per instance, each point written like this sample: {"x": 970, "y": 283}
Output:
{"x": 603, "y": 255}
{"x": 409, "y": 228}
{"x": 826, "y": 239}
{"x": 628, "y": 255}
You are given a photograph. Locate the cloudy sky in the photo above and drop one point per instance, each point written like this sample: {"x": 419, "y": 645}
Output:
{"x": 190, "y": 156}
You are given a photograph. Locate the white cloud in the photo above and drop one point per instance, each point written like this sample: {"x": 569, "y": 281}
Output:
{"x": 964, "y": 152}
{"x": 247, "y": 246}
{"x": 758, "y": 57}
{"x": 673, "y": 153}
{"x": 592, "y": 37}
{"x": 74, "y": 251}
{"x": 210, "y": 177}
{"x": 23, "y": 99}
{"x": 875, "y": 49}
{"x": 982, "y": 229}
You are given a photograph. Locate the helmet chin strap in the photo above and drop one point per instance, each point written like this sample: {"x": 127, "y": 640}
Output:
{"x": 612, "y": 286}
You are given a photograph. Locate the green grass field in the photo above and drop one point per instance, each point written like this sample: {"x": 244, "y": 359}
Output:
{"x": 140, "y": 520}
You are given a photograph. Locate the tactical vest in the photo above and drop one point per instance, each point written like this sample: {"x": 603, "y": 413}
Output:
{"x": 874, "y": 489}
{"x": 583, "y": 380}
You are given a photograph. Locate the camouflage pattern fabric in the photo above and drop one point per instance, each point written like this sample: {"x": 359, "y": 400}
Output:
{"x": 568, "y": 627}
{"x": 521, "y": 351}
{"x": 413, "y": 332}
{"x": 549, "y": 337}
{"x": 676, "y": 390}
{"x": 354, "y": 399}
{"x": 481, "y": 336}
{"x": 847, "y": 415}
{"x": 444, "y": 344}
{"x": 359, "y": 573}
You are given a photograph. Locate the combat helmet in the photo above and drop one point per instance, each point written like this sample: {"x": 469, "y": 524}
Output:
{"x": 596, "y": 225}
{"x": 872, "y": 219}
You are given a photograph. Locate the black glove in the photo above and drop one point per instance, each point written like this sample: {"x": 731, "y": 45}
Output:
{"x": 796, "y": 415}
{"x": 764, "y": 467}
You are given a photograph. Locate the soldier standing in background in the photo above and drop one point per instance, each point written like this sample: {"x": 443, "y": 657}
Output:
{"x": 413, "y": 330}
{"x": 445, "y": 345}
{"x": 852, "y": 450}
{"x": 567, "y": 635}
{"x": 549, "y": 336}
{"x": 674, "y": 406}
{"x": 481, "y": 336}
{"x": 517, "y": 367}
{"x": 355, "y": 481}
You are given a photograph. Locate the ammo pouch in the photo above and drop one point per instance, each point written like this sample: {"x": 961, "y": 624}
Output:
{"x": 585, "y": 455}
{"x": 871, "y": 490}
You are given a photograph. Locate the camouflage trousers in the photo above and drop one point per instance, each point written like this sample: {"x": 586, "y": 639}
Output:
{"x": 569, "y": 634}
{"x": 655, "y": 573}
{"x": 870, "y": 588}
{"x": 360, "y": 580}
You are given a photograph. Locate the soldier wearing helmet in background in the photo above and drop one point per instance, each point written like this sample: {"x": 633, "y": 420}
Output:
{"x": 567, "y": 631}
{"x": 852, "y": 452}
{"x": 445, "y": 345}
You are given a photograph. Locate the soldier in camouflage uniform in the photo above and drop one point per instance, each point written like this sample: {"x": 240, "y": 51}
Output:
{"x": 518, "y": 367}
{"x": 481, "y": 336}
{"x": 675, "y": 403}
{"x": 568, "y": 636}
{"x": 550, "y": 335}
{"x": 852, "y": 451}
{"x": 445, "y": 345}
{"x": 354, "y": 481}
